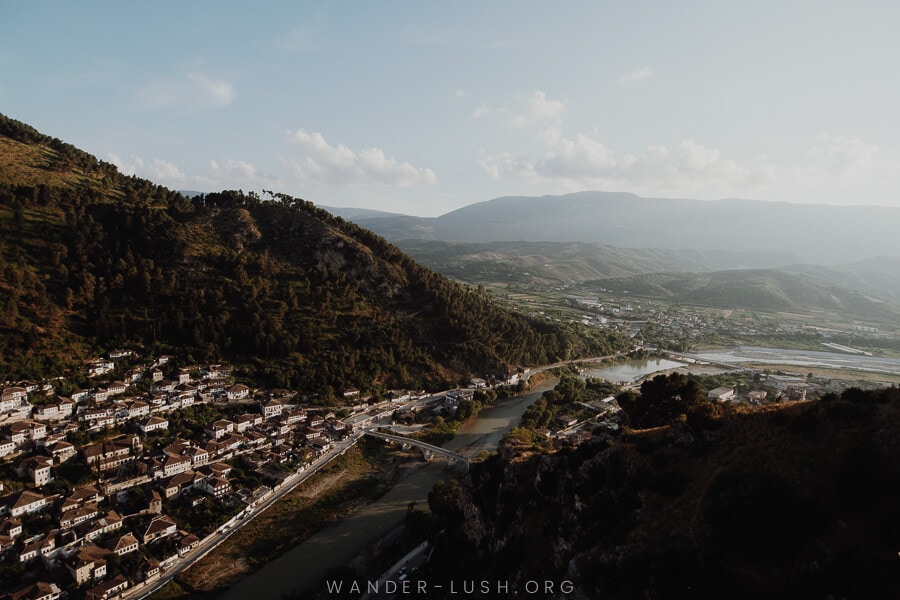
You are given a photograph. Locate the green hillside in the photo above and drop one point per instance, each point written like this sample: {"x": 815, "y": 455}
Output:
{"x": 91, "y": 259}
{"x": 754, "y": 289}
{"x": 542, "y": 263}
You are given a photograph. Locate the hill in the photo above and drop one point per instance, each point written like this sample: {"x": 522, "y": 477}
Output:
{"x": 92, "y": 259}
{"x": 753, "y": 289}
{"x": 879, "y": 276}
{"x": 867, "y": 289}
{"x": 778, "y": 234}
{"x": 547, "y": 263}
{"x": 563, "y": 263}
{"x": 794, "y": 501}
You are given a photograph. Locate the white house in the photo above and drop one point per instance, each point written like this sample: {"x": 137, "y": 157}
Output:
{"x": 238, "y": 391}
{"x": 100, "y": 367}
{"x": 270, "y": 409}
{"x": 153, "y": 424}
{"x": 40, "y": 590}
{"x": 160, "y": 527}
{"x": 7, "y": 447}
{"x": 175, "y": 465}
{"x": 124, "y": 544}
{"x": 214, "y": 486}
{"x": 218, "y": 429}
{"x": 721, "y": 394}
{"x": 24, "y": 502}
{"x": 36, "y": 469}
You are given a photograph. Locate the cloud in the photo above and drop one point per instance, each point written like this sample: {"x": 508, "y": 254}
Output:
{"x": 309, "y": 160}
{"x": 483, "y": 111}
{"x": 120, "y": 164}
{"x": 229, "y": 174}
{"x": 238, "y": 170}
{"x": 527, "y": 110}
{"x": 840, "y": 159}
{"x": 834, "y": 169}
{"x": 843, "y": 170}
{"x": 156, "y": 170}
{"x": 164, "y": 170}
{"x": 314, "y": 161}
{"x": 585, "y": 162}
{"x": 642, "y": 73}
{"x": 541, "y": 108}
{"x": 193, "y": 92}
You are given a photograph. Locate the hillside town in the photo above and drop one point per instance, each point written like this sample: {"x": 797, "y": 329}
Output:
{"x": 103, "y": 488}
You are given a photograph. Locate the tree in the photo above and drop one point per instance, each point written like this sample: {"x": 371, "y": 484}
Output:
{"x": 11, "y": 312}
{"x": 663, "y": 400}
{"x": 446, "y": 501}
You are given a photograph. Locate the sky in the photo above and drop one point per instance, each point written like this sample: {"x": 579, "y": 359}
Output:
{"x": 423, "y": 107}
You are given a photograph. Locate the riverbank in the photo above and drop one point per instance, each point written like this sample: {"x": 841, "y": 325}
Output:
{"x": 363, "y": 474}
{"x": 829, "y": 372}
{"x": 336, "y": 545}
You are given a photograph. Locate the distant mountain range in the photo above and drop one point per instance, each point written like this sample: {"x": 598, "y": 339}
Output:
{"x": 771, "y": 255}
{"x": 867, "y": 289}
{"x": 555, "y": 263}
{"x": 755, "y": 233}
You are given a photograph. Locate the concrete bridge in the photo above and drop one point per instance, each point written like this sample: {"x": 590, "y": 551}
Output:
{"x": 428, "y": 450}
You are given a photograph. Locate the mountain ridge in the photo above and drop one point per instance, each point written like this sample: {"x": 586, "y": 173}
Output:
{"x": 822, "y": 234}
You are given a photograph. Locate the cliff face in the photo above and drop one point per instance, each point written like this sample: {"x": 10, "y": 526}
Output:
{"x": 794, "y": 502}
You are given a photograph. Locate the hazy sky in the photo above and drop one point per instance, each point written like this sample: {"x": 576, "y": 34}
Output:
{"x": 422, "y": 107}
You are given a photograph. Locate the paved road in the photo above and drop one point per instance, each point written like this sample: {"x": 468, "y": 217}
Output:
{"x": 210, "y": 542}
{"x": 213, "y": 540}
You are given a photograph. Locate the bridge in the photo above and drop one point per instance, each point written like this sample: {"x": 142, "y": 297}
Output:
{"x": 428, "y": 450}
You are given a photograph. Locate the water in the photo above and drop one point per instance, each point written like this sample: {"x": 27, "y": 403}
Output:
{"x": 304, "y": 565}
{"x": 803, "y": 358}
{"x": 633, "y": 369}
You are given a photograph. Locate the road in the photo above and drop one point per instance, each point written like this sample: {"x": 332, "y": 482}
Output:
{"x": 209, "y": 543}
{"x": 359, "y": 422}
{"x": 564, "y": 363}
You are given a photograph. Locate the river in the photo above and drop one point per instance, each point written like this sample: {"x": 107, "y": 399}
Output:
{"x": 802, "y": 358}
{"x": 632, "y": 370}
{"x": 304, "y": 565}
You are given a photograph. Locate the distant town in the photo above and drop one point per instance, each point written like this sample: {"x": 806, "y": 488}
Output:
{"x": 684, "y": 326}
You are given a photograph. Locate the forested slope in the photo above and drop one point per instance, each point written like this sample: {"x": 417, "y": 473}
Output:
{"x": 785, "y": 502}
{"x": 91, "y": 259}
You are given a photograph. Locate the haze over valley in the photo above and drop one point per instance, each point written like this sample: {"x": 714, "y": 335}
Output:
{"x": 761, "y": 233}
